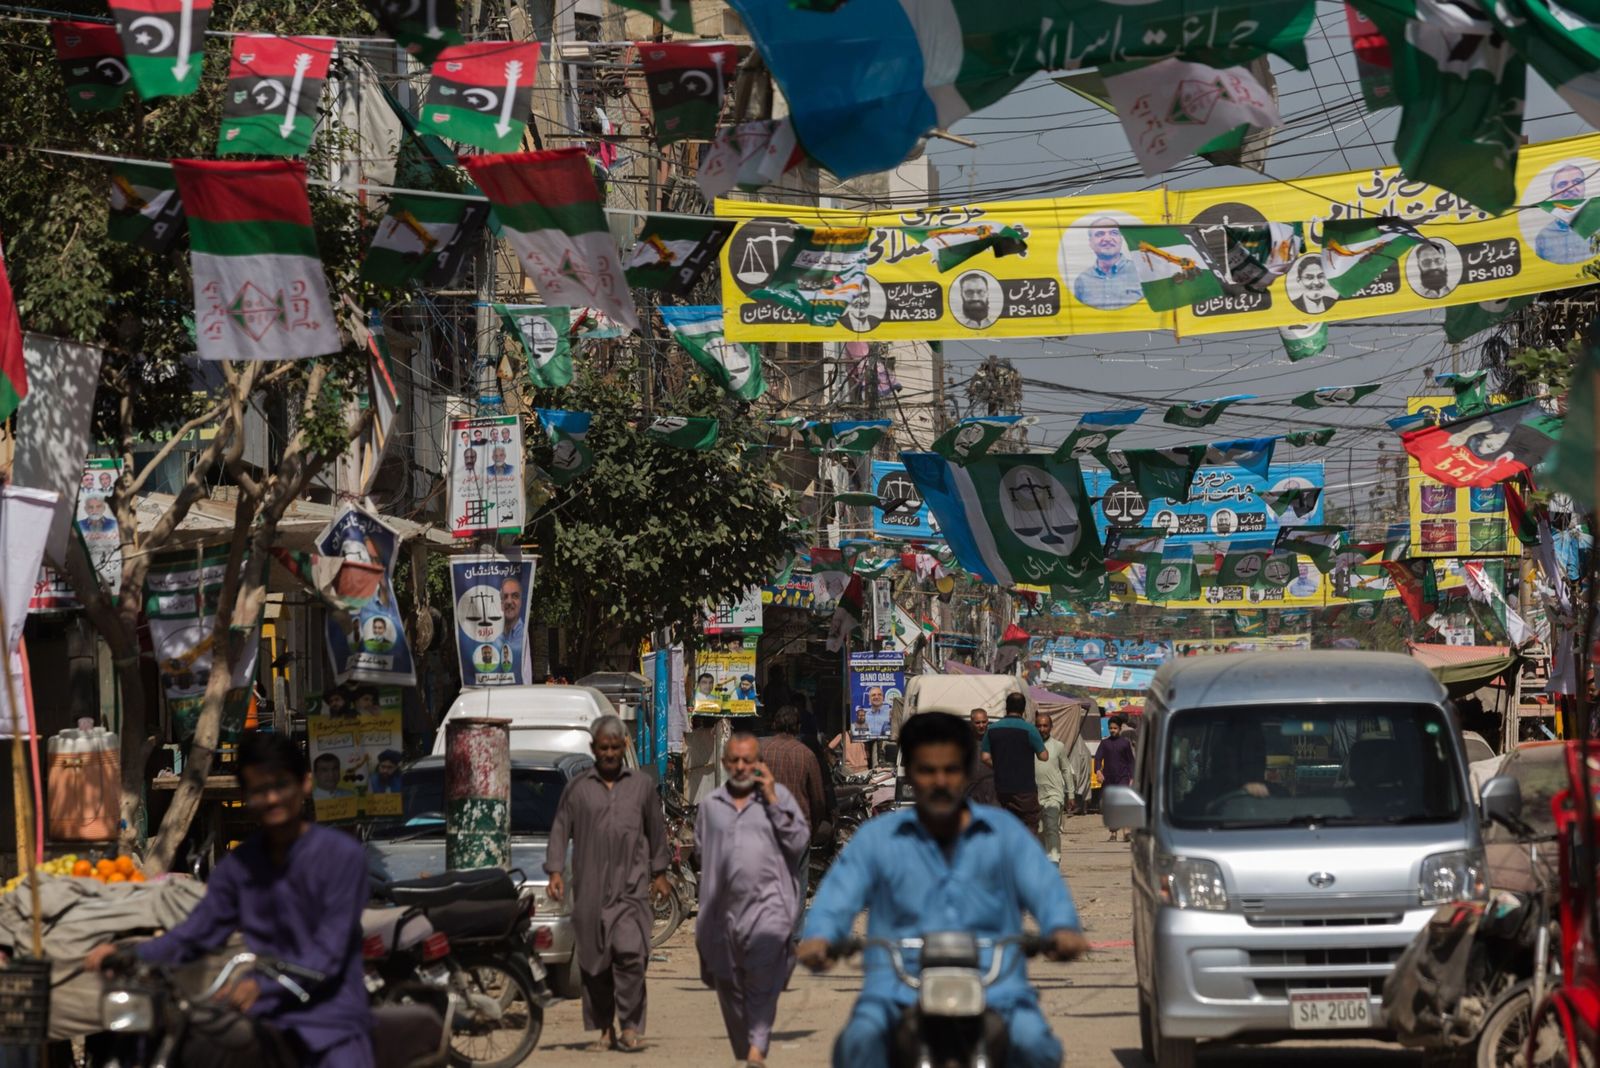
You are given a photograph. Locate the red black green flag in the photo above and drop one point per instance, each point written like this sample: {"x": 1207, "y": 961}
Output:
{"x": 13, "y": 369}
{"x": 688, "y": 83}
{"x": 91, "y": 64}
{"x": 164, "y": 42}
{"x": 423, "y": 28}
{"x": 480, "y": 94}
{"x": 274, "y": 83}
{"x": 1485, "y": 449}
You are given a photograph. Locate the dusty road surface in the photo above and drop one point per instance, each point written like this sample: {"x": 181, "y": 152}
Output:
{"x": 1091, "y": 1003}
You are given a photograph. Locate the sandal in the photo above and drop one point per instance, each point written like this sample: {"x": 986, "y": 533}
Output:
{"x": 628, "y": 1042}
{"x": 603, "y": 1044}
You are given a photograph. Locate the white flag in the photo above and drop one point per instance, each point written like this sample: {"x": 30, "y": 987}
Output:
{"x": 24, "y": 524}
{"x": 53, "y": 427}
{"x": 1171, "y": 108}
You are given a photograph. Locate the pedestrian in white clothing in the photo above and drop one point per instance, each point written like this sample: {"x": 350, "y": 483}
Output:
{"x": 1052, "y": 777}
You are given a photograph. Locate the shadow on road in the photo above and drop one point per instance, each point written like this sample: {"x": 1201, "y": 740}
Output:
{"x": 1303, "y": 1056}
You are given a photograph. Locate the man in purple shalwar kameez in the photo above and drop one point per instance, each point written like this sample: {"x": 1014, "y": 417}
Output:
{"x": 295, "y": 890}
{"x": 752, "y": 837}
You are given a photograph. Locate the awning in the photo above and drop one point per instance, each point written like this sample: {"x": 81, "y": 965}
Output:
{"x": 1461, "y": 669}
{"x": 210, "y": 521}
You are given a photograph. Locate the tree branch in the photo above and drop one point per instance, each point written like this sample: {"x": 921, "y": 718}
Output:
{"x": 211, "y": 414}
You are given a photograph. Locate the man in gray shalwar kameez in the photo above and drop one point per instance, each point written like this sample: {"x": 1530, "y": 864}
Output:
{"x": 613, "y": 819}
{"x": 751, "y": 837}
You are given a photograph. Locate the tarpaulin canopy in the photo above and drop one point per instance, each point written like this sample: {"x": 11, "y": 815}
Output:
{"x": 1465, "y": 668}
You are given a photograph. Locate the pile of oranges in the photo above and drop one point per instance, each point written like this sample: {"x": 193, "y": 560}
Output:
{"x": 107, "y": 870}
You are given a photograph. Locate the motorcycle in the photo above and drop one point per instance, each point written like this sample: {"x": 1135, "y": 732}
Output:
{"x": 1526, "y": 972}
{"x": 150, "y": 1021}
{"x": 681, "y": 875}
{"x": 951, "y": 1024}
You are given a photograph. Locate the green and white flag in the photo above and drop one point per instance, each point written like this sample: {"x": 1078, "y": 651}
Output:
{"x": 1165, "y": 472}
{"x": 1570, "y": 466}
{"x": 1471, "y": 390}
{"x": 1364, "y": 582}
{"x": 545, "y": 336}
{"x": 951, "y": 246}
{"x": 1304, "y": 340}
{"x": 1173, "y": 579}
{"x": 1355, "y": 252}
{"x": 673, "y": 252}
{"x": 1335, "y": 396}
{"x": 676, "y": 14}
{"x": 1175, "y": 270}
{"x": 1245, "y": 565}
{"x": 1319, "y": 543}
{"x": 423, "y": 239}
{"x": 683, "y": 432}
{"x": 1087, "y": 441}
{"x": 854, "y": 437}
{"x": 1301, "y": 499}
{"x": 145, "y": 209}
{"x": 1280, "y": 569}
{"x": 1202, "y": 413}
{"x": 1320, "y": 436}
{"x": 1463, "y": 320}
{"x": 1135, "y": 545}
{"x": 735, "y": 365}
{"x": 972, "y": 438}
{"x": 820, "y": 273}
{"x": 1257, "y": 255}
{"x": 570, "y": 454}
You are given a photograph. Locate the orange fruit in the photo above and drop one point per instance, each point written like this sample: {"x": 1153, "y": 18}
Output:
{"x": 136, "y": 877}
{"x": 99, "y": 877}
{"x": 83, "y": 867}
{"x": 105, "y": 867}
{"x": 124, "y": 865}
{"x": 116, "y": 877}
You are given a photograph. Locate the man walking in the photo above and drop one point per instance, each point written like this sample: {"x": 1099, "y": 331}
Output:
{"x": 751, "y": 836}
{"x": 1052, "y": 777}
{"x": 612, "y": 818}
{"x": 794, "y": 766}
{"x": 1081, "y": 771}
{"x": 1114, "y": 762}
{"x": 1015, "y": 748}
{"x": 981, "y": 786}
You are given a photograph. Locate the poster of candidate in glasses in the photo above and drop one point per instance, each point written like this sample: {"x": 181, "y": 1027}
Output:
{"x": 370, "y": 645}
{"x": 491, "y": 599}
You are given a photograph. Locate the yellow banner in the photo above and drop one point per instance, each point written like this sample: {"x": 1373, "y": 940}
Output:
{"x": 1077, "y": 278}
{"x": 1311, "y": 589}
{"x": 1456, "y": 520}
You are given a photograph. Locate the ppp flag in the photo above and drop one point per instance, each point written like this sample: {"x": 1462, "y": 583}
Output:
{"x": 163, "y": 42}
{"x": 1487, "y": 448}
{"x": 480, "y": 93}
{"x": 687, "y": 82}
{"x": 274, "y": 83}
{"x": 91, "y": 64}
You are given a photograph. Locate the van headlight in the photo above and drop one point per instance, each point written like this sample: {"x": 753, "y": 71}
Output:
{"x": 1191, "y": 883}
{"x": 1458, "y": 876}
{"x": 123, "y": 1010}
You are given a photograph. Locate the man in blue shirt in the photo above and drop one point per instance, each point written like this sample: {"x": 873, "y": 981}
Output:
{"x": 947, "y": 864}
{"x": 1013, "y": 747}
{"x": 1112, "y": 281}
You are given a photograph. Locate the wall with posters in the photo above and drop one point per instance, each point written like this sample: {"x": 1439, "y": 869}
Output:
{"x": 491, "y": 609}
{"x": 1456, "y": 520}
{"x": 877, "y": 685}
{"x": 356, "y": 758}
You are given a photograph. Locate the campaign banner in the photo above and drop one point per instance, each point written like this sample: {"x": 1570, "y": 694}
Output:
{"x": 1309, "y": 588}
{"x": 356, "y": 757}
{"x": 491, "y": 599}
{"x": 374, "y": 648}
{"x": 725, "y": 683}
{"x": 737, "y": 617}
{"x": 97, "y": 526}
{"x": 877, "y": 684}
{"x": 1078, "y": 275}
{"x": 1120, "y": 652}
{"x": 182, "y": 590}
{"x": 901, "y": 511}
{"x": 486, "y": 476}
{"x": 1256, "y": 643}
{"x": 1064, "y": 671}
{"x": 1224, "y": 502}
{"x": 1455, "y": 520}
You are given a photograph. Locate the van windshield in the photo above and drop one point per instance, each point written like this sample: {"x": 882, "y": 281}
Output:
{"x": 1336, "y": 765}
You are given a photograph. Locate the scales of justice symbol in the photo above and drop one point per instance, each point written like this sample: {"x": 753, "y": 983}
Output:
{"x": 483, "y": 612}
{"x": 1036, "y": 514}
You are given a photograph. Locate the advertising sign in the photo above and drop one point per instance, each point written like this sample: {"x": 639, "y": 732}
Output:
{"x": 877, "y": 684}
{"x": 375, "y": 647}
{"x": 1258, "y": 643}
{"x": 738, "y": 617}
{"x": 356, "y": 758}
{"x": 907, "y": 515}
{"x": 1121, "y": 652}
{"x": 725, "y": 683}
{"x": 485, "y": 476}
{"x": 1456, "y": 520}
{"x": 491, "y": 599}
{"x": 1224, "y": 502}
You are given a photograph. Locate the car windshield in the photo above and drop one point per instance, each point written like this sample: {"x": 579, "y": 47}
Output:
{"x": 1541, "y": 772}
{"x": 1337, "y": 765}
{"x": 534, "y": 793}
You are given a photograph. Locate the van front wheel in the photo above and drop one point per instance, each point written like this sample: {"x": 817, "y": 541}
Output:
{"x": 1146, "y": 1046}
{"x": 1169, "y": 1052}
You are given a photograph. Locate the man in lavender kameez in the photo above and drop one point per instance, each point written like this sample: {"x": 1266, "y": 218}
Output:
{"x": 752, "y": 837}
{"x": 613, "y": 819}
{"x": 295, "y": 890}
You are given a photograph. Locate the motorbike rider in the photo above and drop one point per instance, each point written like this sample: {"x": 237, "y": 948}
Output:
{"x": 947, "y": 864}
{"x": 295, "y": 890}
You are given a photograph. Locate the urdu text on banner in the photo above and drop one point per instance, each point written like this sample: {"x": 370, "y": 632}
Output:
{"x": 1077, "y": 276}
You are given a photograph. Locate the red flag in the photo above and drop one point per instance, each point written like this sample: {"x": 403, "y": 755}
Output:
{"x": 13, "y": 369}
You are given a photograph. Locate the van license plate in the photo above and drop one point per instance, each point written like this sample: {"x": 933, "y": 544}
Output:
{"x": 1321, "y": 1010}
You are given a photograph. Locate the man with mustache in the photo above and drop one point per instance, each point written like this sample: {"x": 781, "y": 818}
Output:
{"x": 1433, "y": 272}
{"x": 1112, "y": 281}
{"x": 946, "y": 864}
{"x": 974, "y": 310}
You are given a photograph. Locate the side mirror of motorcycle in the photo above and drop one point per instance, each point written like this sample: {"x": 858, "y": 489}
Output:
{"x": 1500, "y": 801}
{"x": 1122, "y": 808}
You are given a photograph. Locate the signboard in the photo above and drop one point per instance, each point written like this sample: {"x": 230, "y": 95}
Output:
{"x": 1456, "y": 520}
{"x": 491, "y": 599}
{"x": 882, "y": 610}
{"x": 796, "y": 593}
{"x": 1223, "y": 503}
{"x": 1310, "y": 589}
{"x": 375, "y": 647}
{"x": 725, "y": 684}
{"x": 1122, "y": 652}
{"x": 356, "y": 758}
{"x": 738, "y": 617}
{"x": 877, "y": 684}
{"x": 908, "y": 516}
{"x": 485, "y": 476}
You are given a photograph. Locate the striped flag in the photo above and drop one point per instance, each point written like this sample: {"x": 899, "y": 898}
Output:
{"x": 92, "y": 66}
{"x": 480, "y": 94}
{"x": 164, "y": 42}
{"x": 145, "y": 208}
{"x": 1175, "y": 269}
{"x": 274, "y": 83}
{"x": 1356, "y": 252}
{"x": 423, "y": 239}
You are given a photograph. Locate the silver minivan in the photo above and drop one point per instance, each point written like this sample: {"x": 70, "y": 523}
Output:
{"x": 1298, "y": 816}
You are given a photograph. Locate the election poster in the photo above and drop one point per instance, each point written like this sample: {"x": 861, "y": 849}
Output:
{"x": 486, "y": 495}
{"x": 725, "y": 683}
{"x": 181, "y": 595}
{"x": 1456, "y": 520}
{"x": 741, "y": 616}
{"x": 356, "y": 757}
{"x": 1224, "y": 502}
{"x": 1308, "y": 588}
{"x": 97, "y": 526}
{"x": 491, "y": 599}
{"x": 372, "y": 646}
{"x": 900, "y": 512}
{"x": 1121, "y": 652}
{"x": 877, "y": 685}
{"x": 1078, "y": 274}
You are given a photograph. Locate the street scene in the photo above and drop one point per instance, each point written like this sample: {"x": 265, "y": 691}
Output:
{"x": 869, "y": 533}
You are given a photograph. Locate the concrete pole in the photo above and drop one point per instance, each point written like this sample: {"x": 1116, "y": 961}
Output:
{"x": 477, "y": 792}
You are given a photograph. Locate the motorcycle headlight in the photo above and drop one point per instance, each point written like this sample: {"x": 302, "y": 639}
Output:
{"x": 951, "y": 992}
{"x": 123, "y": 1010}
{"x": 1191, "y": 883}
{"x": 1461, "y": 875}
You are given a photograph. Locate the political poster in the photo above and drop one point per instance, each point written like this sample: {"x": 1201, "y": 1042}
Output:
{"x": 356, "y": 757}
{"x": 1309, "y": 588}
{"x": 182, "y": 591}
{"x": 1120, "y": 652}
{"x": 486, "y": 495}
{"x": 1455, "y": 520}
{"x": 1224, "y": 502}
{"x": 901, "y": 512}
{"x": 97, "y": 526}
{"x": 1079, "y": 273}
{"x": 1065, "y": 671}
{"x": 877, "y": 685}
{"x": 1258, "y": 643}
{"x": 373, "y": 646}
{"x": 491, "y": 599}
{"x": 725, "y": 683}
{"x": 740, "y": 616}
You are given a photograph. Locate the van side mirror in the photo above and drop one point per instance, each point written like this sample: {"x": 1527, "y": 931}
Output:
{"x": 1122, "y": 808}
{"x": 1500, "y": 800}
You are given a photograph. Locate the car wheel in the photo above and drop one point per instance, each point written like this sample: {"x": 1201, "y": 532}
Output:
{"x": 1146, "y": 1044}
{"x": 1168, "y": 1052}
{"x": 565, "y": 979}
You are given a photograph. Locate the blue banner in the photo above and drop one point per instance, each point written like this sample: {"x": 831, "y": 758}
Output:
{"x": 491, "y": 598}
{"x": 375, "y": 648}
{"x": 1223, "y": 503}
{"x": 910, "y": 519}
{"x": 1119, "y": 652}
{"x": 877, "y": 684}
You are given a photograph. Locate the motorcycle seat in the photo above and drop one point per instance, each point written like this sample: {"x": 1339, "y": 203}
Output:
{"x": 407, "y": 1035}
{"x": 468, "y": 920}
{"x": 472, "y": 884}
{"x": 399, "y": 927}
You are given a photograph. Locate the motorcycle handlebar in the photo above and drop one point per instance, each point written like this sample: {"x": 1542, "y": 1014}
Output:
{"x": 1028, "y": 944}
{"x": 288, "y": 975}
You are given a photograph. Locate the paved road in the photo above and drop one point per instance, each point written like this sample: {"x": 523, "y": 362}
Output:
{"x": 1091, "y": 1003}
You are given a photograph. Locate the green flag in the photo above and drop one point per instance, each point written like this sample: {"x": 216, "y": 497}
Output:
{"x": 1355, "y": 252}
{"x": 545, "y": 336}
{"x": 972, "y": 438}
{"x": 1471, "y": 390}
{"x": 683, "y": 432}
{"x": 820, "y": 273}
{"x": 1304, "y": 341}
{"x": 1301, "y": 499}
{"x": 1172, "y": 579}
{"x": 1319, "y": 436}
{"x": 733, "y": 365}
{"x": 952, "y": 246}
{"x": 1245, "y": 565}
{"x": 1364, "y": 582}
{"x": 424, "y": 239}
{"x": 1464, "y": 320}
{"x": 1165, "y": 472}
{"x": 676, "y": 14}
{"x": 145, "y": 209}
{"x": 570, "y": 455}
{"x": 673, "y": 252}
{"x": 1202, "y": 413}
{"x": 1319, "y": 543}
{"x": 855, "y": 437}
{"x": 1175, "y": 270}
{"x": 1258, "y": 254}
{"x": 1571, "y": 467}
{"x": 1087, "y": 441}
{"x": 1335, "y": 396}
{"x": 1135, "y": 545}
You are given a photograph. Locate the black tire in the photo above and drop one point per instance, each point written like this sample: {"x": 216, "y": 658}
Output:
{"x": 565, "y": 979}
{"x": 1503, "y": 1040}
{"x": 1168, "y": 1052}
{"x": 1147, "y": 1046}
{"x": 668, "y": 912}
{"x": 480, "y": 1041}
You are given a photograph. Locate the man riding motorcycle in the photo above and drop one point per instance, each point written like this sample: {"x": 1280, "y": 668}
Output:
{"x": 947, "y": 864}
